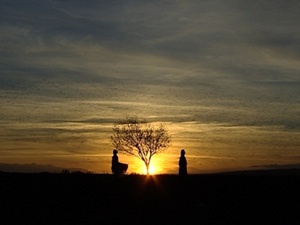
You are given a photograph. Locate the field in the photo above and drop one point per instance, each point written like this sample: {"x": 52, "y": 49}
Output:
{"x": 75, "y": 198}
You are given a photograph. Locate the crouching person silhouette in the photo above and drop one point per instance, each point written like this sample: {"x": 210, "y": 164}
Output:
{"x": 117, "y": 168}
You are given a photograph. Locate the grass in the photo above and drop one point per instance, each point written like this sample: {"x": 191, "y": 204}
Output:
{"x": 78, "y": 198}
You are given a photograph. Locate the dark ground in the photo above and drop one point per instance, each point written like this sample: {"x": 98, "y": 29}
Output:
{"x": 242, "y": 198}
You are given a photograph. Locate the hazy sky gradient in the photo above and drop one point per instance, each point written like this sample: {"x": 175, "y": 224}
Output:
{"x": 223, "y": 76}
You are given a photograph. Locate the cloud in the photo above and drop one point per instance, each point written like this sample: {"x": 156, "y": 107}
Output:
{"x": 279, "y": 166}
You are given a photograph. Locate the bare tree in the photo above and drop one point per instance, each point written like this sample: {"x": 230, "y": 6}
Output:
{"x": 140, "y": 139}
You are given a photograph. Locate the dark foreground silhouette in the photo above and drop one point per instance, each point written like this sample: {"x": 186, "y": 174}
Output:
{"x": 135, "y": 199}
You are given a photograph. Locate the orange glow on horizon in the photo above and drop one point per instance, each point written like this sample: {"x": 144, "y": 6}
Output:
{"x": 154, "y": 168}
{"x": 137, "y": 166}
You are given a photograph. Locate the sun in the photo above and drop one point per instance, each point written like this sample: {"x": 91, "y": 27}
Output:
{"x": 151, "y": 170}
{"x": 154, "y": 168}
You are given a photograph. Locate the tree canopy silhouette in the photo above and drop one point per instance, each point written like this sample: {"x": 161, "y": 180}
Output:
{"x": 140, "y": 139}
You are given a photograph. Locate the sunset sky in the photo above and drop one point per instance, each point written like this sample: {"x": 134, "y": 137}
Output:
{"x": 223, "y": 76}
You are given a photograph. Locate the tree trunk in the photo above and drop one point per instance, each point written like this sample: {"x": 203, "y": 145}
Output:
{"x": 147, "y": 167}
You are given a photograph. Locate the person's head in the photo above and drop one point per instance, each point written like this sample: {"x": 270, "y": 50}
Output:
{"x": 182, "y": 152}
{"x": 115, "y": 151}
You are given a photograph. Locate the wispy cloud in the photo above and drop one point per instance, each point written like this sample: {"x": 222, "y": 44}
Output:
{"x": 279, "y": 166}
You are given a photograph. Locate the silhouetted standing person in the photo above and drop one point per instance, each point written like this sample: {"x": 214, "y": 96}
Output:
{"x": 116, "y": 167}
{"x": 182, "y": 164}
{"x": 114, "y": 161}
